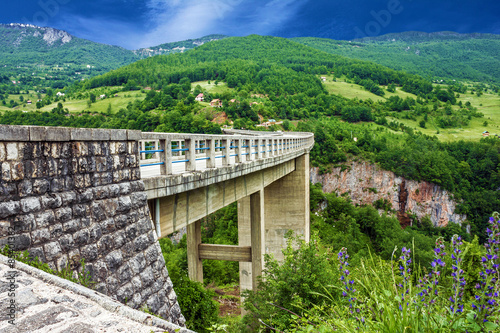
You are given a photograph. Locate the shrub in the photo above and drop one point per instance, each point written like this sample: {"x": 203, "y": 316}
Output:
{"x": 293, "y": 284}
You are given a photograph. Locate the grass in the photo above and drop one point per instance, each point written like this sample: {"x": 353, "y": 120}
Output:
{"x": 351, "y": 90}
{"x": 67, "y": 273}
{"x": 488, "y": 104}
{"x": 220, "y": 88}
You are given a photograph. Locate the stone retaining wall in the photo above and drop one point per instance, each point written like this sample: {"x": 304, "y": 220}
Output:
{"x": 72, "y": 194}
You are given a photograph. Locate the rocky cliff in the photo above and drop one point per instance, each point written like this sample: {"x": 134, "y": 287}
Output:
{"x": 367, "y": 183}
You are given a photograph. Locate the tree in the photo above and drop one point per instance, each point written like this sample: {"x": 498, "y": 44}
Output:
{"x": 286, "y": 124}
{"x": 92, "y": 98}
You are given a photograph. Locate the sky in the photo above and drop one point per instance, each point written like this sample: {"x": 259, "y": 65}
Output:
{"x": 142, "y": 23}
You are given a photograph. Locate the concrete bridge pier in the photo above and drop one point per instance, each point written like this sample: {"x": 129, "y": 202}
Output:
{"x": 264, "y": 217}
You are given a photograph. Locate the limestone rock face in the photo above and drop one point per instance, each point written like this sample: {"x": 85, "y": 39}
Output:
{"x": 366, "y": 183}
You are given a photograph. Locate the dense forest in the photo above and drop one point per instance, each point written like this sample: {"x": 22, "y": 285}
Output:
{"x": 442, "y": 55}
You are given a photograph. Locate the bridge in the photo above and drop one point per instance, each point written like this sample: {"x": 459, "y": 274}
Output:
{"x": 106, "y": 196}
{"x": 189, "y": 176}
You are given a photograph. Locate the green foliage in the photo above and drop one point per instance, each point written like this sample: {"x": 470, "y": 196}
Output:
{"x": 291, "y": 285}
{"x": 221, "y": 228}
{"x": 440, "y": 55}
{"x": 24, "y": 51}
{"x": 82, "y": 276}
{"x": 195, "y": 301}
{"x": 469, "y": 170}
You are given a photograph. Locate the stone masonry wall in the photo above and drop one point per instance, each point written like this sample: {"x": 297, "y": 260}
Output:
{"x": 74, "y": 194}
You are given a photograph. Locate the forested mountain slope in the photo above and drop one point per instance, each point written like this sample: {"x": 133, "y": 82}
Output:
{"x": 280, "y": 64}
{"x": 447, "y": 55}
{"x": 26, "y": 47}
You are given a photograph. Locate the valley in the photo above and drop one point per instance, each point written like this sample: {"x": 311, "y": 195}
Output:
{"x": 401, "y": 156}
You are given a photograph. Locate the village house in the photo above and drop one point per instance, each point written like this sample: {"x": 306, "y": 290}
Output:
{"x": 486, "y": 133}
{"x": 216, "y": 103}
{"x": 102, "y": 96}
{"x": 28, "y": 102}
{"x": 199, "y": 98}
{"x": 323, "y": 79}
{"x": 59, "y": 94}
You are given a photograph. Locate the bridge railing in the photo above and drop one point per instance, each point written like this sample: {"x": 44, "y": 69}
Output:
{"x": 191, "y": 152}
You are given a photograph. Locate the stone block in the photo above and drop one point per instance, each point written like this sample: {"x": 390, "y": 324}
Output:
{"x": 106, "y": 244}
{"x": 66, "y": 242}
{"x": 133, "y": 135}
{"x": 137, "y": 263}
{"x": 14, "y": 133}
{"x": 124, "y": 274}
{"x": 63, "y": 214}
{"x": 44, "y": 219}
{"x": 37, "y": 252}
{"x": 12, "y": 151}
{"x": 60, "y": 134}
{"x": 119, "y": 135}
{"x": 62, "y": 262}
{"x": 41, "y": 186}
{"x": 25, "y": 188}
{"x": 81, "y": 237}
{"x": 89, "y": 253}
{"x": 81, "y": 134}
{"x": 56, "y": 231}
{"x": 71, "y": 226}
{"x": 40, "y": 236}
{"x": 125, "y": 293}
{"x": 99, "y": 134}
{"x": 52, "y": 201}
{"x": 114, "y": 260}
{"x": 112, "y": 283}
{"x": 30, "y": 205}
{"x": 141, "y": 243}
{"x": 52, "y": 250}
{"x": 6, "y": 172}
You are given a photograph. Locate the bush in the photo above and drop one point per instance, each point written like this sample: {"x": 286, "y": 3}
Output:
{"x": 195, "y": 301}
{"x": 293, "y": 284}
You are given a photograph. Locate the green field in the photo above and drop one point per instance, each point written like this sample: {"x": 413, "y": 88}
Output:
{"x": 352, "y": 90}
{"x": 488, "y": 104}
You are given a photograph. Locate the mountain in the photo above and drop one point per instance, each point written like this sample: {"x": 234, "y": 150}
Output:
{"x": 176, "y": 47}
{"x": 27, "y": 49}
{"x": 53, "y": 54}
{"x": 255, "y": 60}
{"x": 439, "y": 55}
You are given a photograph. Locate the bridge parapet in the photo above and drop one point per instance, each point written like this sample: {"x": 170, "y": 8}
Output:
{"x": 197, "y": 152}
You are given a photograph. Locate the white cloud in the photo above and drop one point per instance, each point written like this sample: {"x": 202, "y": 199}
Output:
{"x": 174, "y": 20}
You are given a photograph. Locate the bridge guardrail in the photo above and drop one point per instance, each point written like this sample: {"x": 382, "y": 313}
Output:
{"x": 167, "y": 149}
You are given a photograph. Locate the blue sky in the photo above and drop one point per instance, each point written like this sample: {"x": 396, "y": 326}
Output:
{"x": 142, "y": 23}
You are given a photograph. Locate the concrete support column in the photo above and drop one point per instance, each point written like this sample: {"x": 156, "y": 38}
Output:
{"x": 211, "y": 154}
{"x": 244, "y": 239}
{"x": 251, "y": 232}
{"x": 195, "y": 266}
{"x": 190, "y": 154}
{"x": 257, "y": 235}
{"x": 287, "y": 207}
{"x": 225, "y": 151}
{"x": 238, "y": 150}
{"x": 248, "y": 149}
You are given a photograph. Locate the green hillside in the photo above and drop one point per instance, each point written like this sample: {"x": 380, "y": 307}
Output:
{"x": 441, "y": 55}
{"x": 53, "y": 54}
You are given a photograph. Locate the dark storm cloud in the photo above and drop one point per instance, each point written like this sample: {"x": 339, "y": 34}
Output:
{"x": 142, "y": 23}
